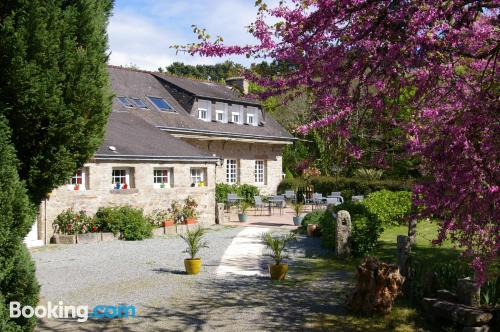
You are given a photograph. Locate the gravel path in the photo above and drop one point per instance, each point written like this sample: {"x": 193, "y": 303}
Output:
{"x": 150, "y": 275}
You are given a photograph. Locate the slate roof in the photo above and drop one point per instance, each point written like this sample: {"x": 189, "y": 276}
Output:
{"x": 204, "y": 89}
{"x": 136, "y": 83}
{"x": 130, "y": 137}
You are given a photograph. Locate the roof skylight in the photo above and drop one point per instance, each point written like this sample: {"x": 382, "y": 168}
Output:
{"x": 126, "y": 102}
{"x": 161, "y": 104}
{"x": 139, "y": 103}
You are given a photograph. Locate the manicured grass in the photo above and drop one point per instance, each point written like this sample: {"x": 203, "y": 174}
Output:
{"x": 424, "y": 249}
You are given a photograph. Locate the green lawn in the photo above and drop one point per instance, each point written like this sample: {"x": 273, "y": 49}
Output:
{"x": 426, "y": 232}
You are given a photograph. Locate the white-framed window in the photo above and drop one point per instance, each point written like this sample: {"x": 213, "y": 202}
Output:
{"x": 198, "y": 177}
{"x": 231, "y": 171}
{"x": 260, "y": 171}
{"x": 219, "y": 116}
{"x": 120, "y": 178}
{"x": 251, "y": 119}
{"x": 202, "y": 114}
{"x": 162, "y": 177}
{"x": 235, "y": 117}
{"x": 77, "y": 181}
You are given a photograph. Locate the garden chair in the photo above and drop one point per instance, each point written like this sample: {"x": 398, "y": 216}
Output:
{"x": 336, "y": 200}
{"x": 290, "y": 194}
{"x": 317, "y": 199}
{"x": 258, "y": 204}
{"x": 232, "y": 199}
{"x": 357, "y": 198}
{"x": 280, "y": 203}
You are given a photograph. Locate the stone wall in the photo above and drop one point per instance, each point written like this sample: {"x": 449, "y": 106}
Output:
{"x": 246, "y": 154}
{"x": 99, "y": 192}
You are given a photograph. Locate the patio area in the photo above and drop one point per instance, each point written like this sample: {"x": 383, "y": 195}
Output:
{"x": 258, "y": 218}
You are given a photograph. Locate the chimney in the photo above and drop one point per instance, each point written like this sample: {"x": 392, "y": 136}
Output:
{"x": 240, "y": 83}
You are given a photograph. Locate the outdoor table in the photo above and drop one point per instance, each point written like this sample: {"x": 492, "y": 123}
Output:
{"x": 273, "y": 200}
{"x": 233, "y": 199}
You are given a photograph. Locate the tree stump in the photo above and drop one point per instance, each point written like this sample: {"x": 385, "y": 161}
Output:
{"x": 378, "y": 285}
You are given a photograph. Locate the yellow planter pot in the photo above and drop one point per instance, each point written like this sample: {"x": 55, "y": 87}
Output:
{"x": 193, "y": 266}
{"x": 278, "y": 272}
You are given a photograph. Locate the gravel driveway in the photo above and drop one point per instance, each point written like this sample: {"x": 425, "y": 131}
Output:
{"x": 150, "y": 275}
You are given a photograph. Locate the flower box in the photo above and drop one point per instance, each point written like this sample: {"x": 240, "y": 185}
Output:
{"x": 106, "y": 237}
{"x": 88, "y": 238}
{"x": 168, "y": 223}
{"x": 63, "y": 239}
{"x": 158, "y": 231}
{"x": 190, "y": 221}
{"x": 181, "y": 229}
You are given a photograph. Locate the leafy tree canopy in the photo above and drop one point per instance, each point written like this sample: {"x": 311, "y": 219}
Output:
{"x": 54, "y": 85}
{"x": 360, "y": 58}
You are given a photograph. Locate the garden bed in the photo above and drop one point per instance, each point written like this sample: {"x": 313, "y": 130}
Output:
{"x": 82, "y": 238}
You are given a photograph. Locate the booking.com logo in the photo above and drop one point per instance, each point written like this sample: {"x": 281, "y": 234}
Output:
{"x": 81, "y": 313}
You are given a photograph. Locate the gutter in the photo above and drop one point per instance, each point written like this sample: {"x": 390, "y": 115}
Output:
{"x": 224, "y": 134}
{"x": 154, "y": 158}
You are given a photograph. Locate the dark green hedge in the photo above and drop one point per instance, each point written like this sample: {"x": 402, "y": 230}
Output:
{"x": 347, "y": 186}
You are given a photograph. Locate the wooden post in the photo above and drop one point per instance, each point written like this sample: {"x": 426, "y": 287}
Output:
{"x": 404, "y": 249}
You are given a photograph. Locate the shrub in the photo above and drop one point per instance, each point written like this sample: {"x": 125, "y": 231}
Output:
{"x": 390, "y": 207}
{"x": 328, "y": 225}
{"x": 71, "y": 222}
{"x": 221, "y": 191}
{"x": 127, "y": 221}
{"x": 312, "y": 218}
{"x": 158, "y": 216}
{"x": 366, "y": 229}
{"x": 347, "y": 186}
{"x": 20, "y": 285}
{"x": 189, "y": 208}
{"x": 17, "y": 273}
{"x": 245, "y": 191}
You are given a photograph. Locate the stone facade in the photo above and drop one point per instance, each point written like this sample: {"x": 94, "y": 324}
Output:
{"x": 246, "y": 154}
{"x": 99, "y": 191}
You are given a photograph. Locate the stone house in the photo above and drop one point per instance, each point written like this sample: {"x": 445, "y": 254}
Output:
{"x": 168, "y": 138}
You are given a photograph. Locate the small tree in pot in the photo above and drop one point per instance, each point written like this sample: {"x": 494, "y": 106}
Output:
{"x": 297, "y": 208}
{"x": 244, "y": 206}
{"x": 276, "y": 245}
{"x": 195, "y": 242}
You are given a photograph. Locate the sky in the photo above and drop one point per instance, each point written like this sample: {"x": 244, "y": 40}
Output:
{"x": 141, "y": 31}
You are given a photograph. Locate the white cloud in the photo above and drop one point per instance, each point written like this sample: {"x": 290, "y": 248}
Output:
{"x": 141, "y": 32}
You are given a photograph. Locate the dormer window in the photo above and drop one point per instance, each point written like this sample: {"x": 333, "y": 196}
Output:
{"x": 235, "y": 117}
{"x": 126, "y": 102}
{"x": 220, "y": 116}
{"x": 161, "y": 104}
{"x": 202, "y": 114}
{"x": 250, "y": 119}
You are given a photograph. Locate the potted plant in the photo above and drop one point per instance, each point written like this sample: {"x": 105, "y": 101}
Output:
{"x": 189, "y": 211}
{"x": 297, "y": 208}
{"x": 276, "y": 245}
{"x": 195, "y": 242}
{"x": 243, "y": 216}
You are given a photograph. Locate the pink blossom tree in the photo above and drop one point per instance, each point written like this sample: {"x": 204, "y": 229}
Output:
{"x": 369, "y": 61}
